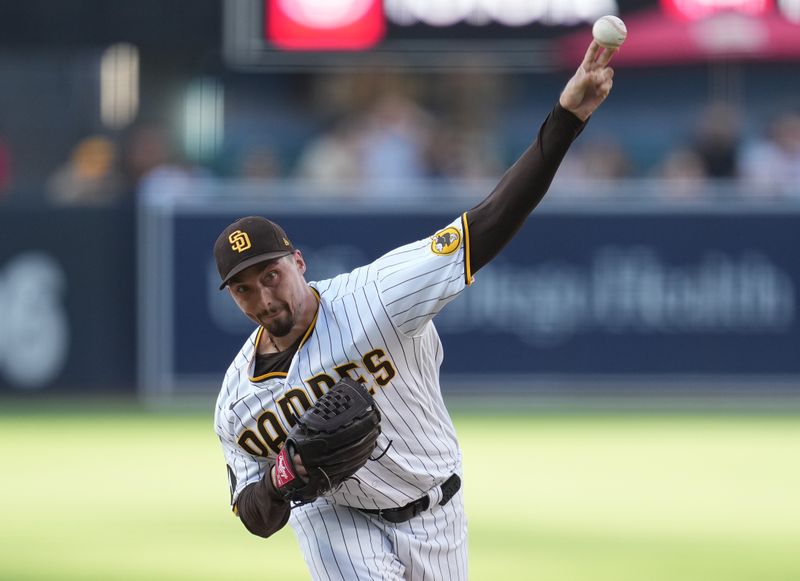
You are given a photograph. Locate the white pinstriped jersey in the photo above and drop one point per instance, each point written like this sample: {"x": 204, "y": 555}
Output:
{"x": 375, "y": 325}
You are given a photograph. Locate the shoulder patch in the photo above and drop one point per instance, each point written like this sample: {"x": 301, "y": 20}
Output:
{"x": 446, "y": 241}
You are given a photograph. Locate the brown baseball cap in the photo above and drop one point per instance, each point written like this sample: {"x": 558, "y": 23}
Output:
{"x": 246, "y": 242}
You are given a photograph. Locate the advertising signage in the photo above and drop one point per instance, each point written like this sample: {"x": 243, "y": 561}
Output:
{"x": 310, "y": 34}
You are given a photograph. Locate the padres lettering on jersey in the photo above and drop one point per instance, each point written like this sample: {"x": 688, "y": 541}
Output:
{"x": 373, "y": 325}
{"x": 295, "y": 401}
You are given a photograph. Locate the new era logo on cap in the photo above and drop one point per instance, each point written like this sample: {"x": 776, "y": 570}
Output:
{"x": 246, "y": 242}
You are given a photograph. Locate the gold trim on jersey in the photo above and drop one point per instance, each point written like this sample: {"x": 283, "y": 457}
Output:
{"x": 266, "y": 375}
{"x": 313, "y": 321}
{"x": 302, "y": 342}
{"x": 269, "y": 376}
{"x": 467, "y": 264}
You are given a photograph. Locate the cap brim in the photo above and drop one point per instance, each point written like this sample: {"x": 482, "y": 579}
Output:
{"x": 250, "y": 262}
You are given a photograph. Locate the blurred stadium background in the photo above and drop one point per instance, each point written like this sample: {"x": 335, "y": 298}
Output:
{"x": 625, "y": 377}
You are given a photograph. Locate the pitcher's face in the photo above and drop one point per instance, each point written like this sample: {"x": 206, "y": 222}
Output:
{"x": 272, "y": 293}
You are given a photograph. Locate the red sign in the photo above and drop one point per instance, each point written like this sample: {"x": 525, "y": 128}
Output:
{"x": 324, "y": 24}
{"x": 655, "y": 39}
{"x": 696, "y": 9}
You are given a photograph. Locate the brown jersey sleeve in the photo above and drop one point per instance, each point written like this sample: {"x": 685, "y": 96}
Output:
{"x": 494, "y": 221}
{"x": 260, "y": 508}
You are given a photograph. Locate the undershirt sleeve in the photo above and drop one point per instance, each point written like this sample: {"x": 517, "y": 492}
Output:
{"x": 261, "y": 510}
{"x": 496, "y": 220}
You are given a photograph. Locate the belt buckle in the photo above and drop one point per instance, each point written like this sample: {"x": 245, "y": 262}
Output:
{"x": 405, "y": 513}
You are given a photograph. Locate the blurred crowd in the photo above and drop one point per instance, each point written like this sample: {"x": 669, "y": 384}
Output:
{"x": 367, "y": 138}
{"x": 763, "y": 161}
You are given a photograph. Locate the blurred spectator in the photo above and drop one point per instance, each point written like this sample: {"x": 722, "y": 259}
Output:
{"x": 772, "y": 164}
{"x": 685, "y": 172}
{"x": 600, "y": 158}
{"x": 386, "y": 144}
{"x": 155, "y": 169}
{"x": 465, "y": 144}
{"x": 396, "y": 140}
{"x": 456, "y": 153}
{"x": 396, "y": 133}
{"x": 146, "y": 148}
{"x": 334, "y": 156}
{"x": 90, "y": 177}
{"x": 259, "y": 163}
{"x": 718, "y": 140}
{"x": 170, "y": 181}
{"x": 712, "y": 153}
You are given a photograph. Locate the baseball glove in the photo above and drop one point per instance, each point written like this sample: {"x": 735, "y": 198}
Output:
{"x": 334, "y": 438}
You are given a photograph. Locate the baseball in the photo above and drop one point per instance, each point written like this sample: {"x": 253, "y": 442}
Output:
{"x": 609, "y": 31}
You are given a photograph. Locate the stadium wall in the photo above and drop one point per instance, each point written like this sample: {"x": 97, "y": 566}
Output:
{"x": 67, "y": 300}
{"x": 601, "y": 299}
{"x": 623, "y": 298}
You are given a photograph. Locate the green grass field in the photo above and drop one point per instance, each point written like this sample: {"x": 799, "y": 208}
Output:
{"x": 594, "y": 497}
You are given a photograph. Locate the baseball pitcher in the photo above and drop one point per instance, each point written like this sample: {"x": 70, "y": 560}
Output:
{"x": 331, "y": 416}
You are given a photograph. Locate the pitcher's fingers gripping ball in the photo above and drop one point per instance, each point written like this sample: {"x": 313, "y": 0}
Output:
{"x": 334, "y": 439}
{"x": 609, "y": 31}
